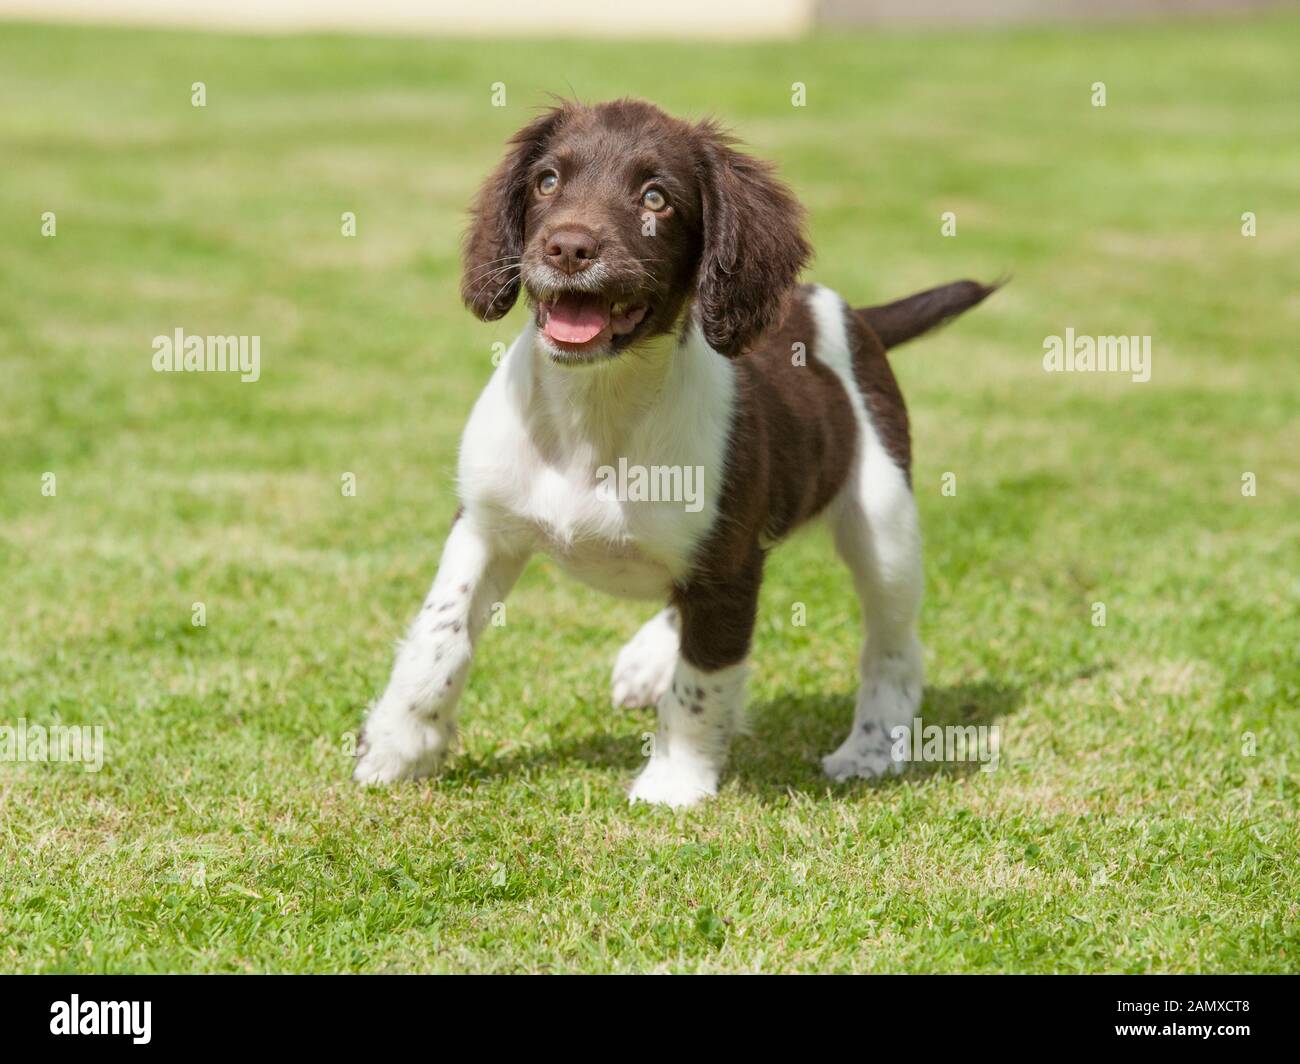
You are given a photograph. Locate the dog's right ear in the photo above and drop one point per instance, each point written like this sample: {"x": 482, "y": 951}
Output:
{"x": 494, "y": 241}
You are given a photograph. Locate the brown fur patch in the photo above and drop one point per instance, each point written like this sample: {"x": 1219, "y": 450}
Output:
{"x": 879, "y": 388}
{"x": 792, "y": 443}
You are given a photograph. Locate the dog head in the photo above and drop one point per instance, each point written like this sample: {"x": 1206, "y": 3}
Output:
{"x": 617, "y": 220}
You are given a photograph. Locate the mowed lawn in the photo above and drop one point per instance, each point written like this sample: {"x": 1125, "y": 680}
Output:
{"x": 1143, "y": 815}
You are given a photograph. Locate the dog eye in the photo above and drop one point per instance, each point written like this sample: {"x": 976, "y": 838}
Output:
{"x": 548, "y": 183}
{"x": 654, "y": 199}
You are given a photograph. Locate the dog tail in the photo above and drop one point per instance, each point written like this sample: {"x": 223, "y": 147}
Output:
{"x": 896, "y": 323}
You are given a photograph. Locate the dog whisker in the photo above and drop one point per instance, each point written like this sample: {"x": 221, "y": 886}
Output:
{"x": 508, "y": 259}
{"x": 491, "y": 278}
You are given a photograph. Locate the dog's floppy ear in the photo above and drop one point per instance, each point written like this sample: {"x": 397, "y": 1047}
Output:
{"x": 753, "y": 246}
{"x": 494, "y": 241}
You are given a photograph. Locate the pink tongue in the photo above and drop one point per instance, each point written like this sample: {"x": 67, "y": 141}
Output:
{"x": 575, "y": 319}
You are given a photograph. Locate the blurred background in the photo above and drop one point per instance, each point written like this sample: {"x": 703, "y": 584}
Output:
{"x": 725, "y": 18}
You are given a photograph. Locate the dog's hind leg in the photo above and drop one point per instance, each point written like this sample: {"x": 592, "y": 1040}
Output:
{"x": 876, "y": 532}
{"x": 644, "y": 667}
{"x": 410, "y": 730}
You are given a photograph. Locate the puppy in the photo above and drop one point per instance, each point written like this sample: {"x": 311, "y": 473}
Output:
{"x": 668, "y": 345}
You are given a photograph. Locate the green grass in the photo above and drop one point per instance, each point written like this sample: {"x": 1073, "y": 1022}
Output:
{"x": 1128, "y": 827}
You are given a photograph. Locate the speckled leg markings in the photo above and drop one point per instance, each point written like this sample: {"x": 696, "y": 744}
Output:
{"x": 411, "y": 729}
{"x": 876, "y": 533}
{"x": 698, "y": 715}
{"x": 644, "y": 667}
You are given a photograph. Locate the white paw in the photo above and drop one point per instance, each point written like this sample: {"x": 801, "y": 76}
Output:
{"x": 889, "y": 698}
{"x": 399, "y": 746}
{"x": 644, "y": 667}
{"x": 676, "y": 782}
{"x": 861, "y": 760}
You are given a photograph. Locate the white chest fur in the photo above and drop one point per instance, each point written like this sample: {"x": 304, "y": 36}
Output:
{"x": 612, "y": 470}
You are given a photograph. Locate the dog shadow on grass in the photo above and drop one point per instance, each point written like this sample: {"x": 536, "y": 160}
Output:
{"x": 782, "y": 753}
{"x": 789, "y": 736}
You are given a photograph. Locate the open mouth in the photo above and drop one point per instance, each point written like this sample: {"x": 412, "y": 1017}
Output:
{"x": 586, "y": 322}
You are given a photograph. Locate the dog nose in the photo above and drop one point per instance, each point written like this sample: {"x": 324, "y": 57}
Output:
{"x": 571, "y": 250}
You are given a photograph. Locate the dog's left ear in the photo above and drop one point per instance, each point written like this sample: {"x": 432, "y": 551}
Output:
{"x": 489, "y": 283}
{"x": 753, "y": 245}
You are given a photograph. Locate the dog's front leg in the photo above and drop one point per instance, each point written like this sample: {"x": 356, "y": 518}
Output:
{"x": 410, "y": 730}
{"x": 704, "y": 704}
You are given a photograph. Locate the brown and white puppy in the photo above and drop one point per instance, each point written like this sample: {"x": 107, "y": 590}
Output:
{"x": 674, "y": 406}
